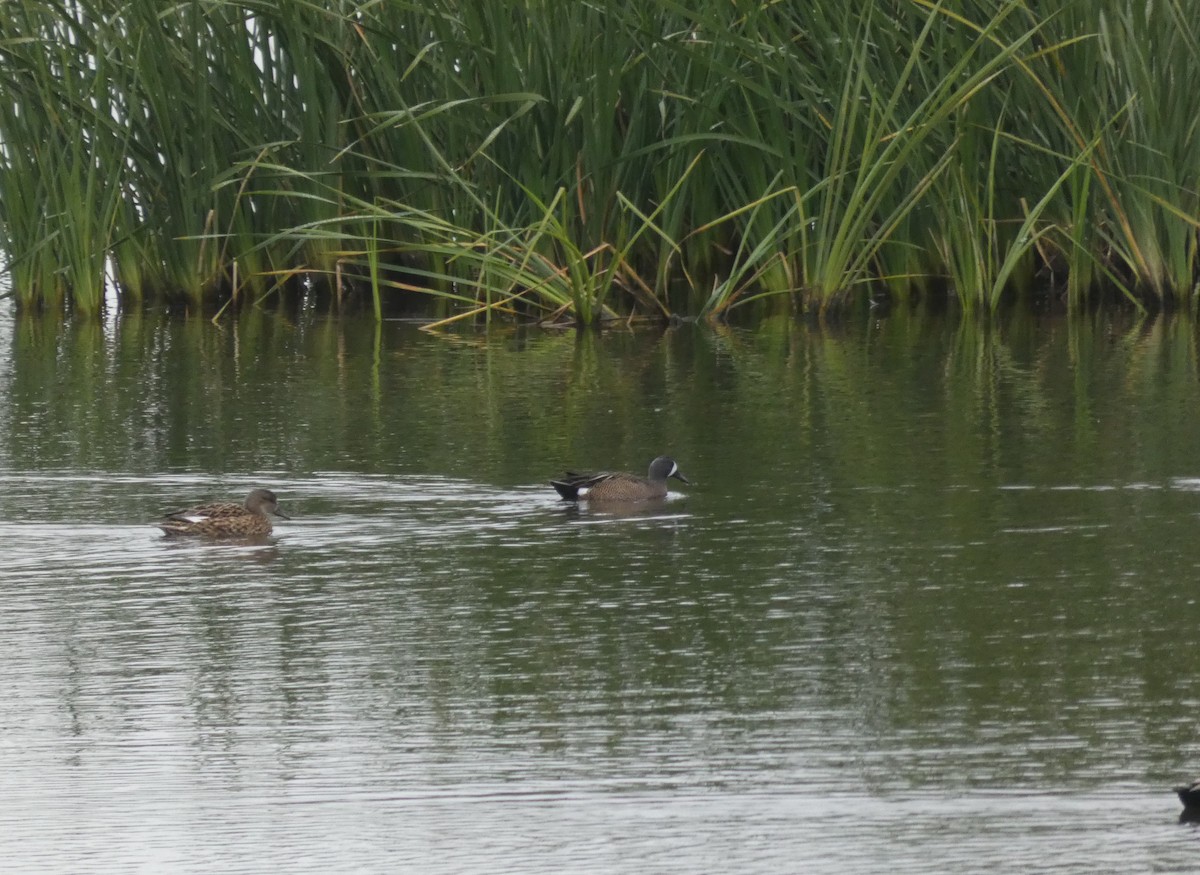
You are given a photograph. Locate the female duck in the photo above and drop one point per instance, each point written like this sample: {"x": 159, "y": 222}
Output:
{"x": 226, "y": 519}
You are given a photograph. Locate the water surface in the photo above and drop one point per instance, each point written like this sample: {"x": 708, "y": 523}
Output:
{"x": 928, "y": 605}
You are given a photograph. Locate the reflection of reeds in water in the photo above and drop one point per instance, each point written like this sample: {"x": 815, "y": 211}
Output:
{"x": 579, "y": 162}
{"x": 150, "y": 392}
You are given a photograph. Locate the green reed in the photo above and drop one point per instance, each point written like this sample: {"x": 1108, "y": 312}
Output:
{"x": 585, "y": 162}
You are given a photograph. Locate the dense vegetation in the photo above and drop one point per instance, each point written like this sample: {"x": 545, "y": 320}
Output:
{"x": 573, "y": 160}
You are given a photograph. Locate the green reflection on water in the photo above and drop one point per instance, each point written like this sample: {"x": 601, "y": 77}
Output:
{"x": 877, "y": 403}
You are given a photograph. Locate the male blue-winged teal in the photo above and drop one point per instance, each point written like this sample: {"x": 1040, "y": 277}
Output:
{"x": 226, "y": 519}
{"x": 619, "y": 486}
{"x": 1189, "y": 794}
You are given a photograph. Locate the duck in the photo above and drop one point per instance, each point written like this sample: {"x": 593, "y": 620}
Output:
{"x": 250, "y": 519}
{"x": 1189, "y": 794}
{"x": 618, "y": 485}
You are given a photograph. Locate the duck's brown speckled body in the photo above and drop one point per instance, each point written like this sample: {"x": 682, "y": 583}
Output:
{"x": 250, "y": 519}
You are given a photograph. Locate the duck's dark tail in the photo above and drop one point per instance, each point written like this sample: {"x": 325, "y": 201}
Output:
{"x": 568, "y": 489}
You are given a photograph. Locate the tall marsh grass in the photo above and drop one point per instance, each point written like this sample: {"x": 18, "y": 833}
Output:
{"x": 605, "y": 160}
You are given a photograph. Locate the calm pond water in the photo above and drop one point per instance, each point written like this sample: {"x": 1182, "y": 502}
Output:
{"x": 930, "y": 604}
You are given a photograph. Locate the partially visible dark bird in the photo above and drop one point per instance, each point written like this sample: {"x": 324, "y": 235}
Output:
{"x": 1189, "y": 794}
